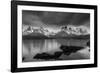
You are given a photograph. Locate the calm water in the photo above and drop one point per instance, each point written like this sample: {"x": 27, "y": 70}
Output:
{"x": 50, "y": 46}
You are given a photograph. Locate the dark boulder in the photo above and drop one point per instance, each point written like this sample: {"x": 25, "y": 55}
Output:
{"x": 67, "y": 50}
{"x": 23, "y": 58}
{"x": 42, "y": 56}
{"x": 88, "y": 43}
{"x": 47, "y": 56}
{"x": 57, "y": 55}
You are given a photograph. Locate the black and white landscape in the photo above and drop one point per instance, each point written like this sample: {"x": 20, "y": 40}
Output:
{"x": 50, "y": 36}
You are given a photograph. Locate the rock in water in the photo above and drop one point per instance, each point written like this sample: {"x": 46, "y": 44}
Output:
{"x": 67, "y": 50}
{"x": 88, "y": 43}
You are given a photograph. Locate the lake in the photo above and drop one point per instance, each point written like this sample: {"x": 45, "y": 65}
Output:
{"x": 31, "y": 48}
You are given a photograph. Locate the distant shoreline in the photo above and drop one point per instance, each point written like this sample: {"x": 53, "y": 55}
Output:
{"x": 69, "y": 37}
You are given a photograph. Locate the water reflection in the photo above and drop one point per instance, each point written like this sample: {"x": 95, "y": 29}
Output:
{"x": 51, "y": 49}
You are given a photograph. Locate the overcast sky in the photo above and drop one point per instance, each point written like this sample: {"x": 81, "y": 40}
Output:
{"x": 53, "y": 20}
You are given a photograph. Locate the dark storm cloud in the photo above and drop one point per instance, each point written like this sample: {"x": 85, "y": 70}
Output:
{"x": 54, "y": 18}
{"x": 79, "y": 19}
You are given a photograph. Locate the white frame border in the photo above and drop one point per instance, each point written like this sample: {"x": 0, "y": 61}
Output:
{"x": 20, "y": 64}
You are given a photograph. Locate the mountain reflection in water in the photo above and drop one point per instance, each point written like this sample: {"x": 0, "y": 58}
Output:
{"x": 54, "y": 49}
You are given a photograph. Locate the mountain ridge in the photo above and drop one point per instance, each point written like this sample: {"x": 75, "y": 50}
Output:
{"x": 64, "y": 32}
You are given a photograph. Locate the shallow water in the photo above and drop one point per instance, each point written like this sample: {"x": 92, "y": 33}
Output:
{"x": 50, "y": 46}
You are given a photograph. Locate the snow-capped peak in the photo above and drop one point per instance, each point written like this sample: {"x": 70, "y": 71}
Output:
{"x": 69, "y": 29}
{"x": 77, "y": 30}
{"x": 41, "y": 30}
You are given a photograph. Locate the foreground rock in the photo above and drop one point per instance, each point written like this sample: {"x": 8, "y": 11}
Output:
{"x": 47, "y": 56}
{"x": 67, "y": 50}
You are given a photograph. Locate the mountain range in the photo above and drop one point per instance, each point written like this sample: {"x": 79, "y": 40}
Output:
{"x": 65, "y": 31}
